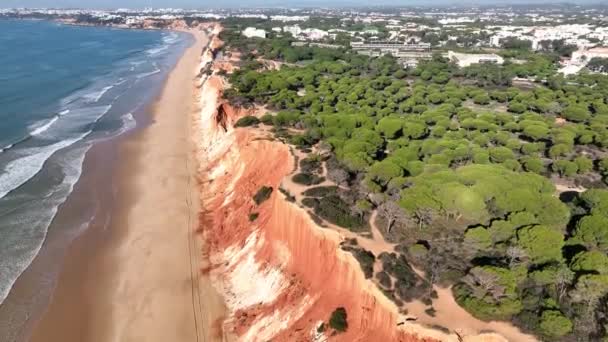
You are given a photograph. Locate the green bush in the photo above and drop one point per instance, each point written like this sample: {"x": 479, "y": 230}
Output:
{"x": 307, "y": 179}
{"x": 554, "y": 324}
{"x": 333, "y": 209}
{"x": 486, "y": 309}
{"x": 247, "y": 121}
{"x": 262, "y": 195}
{"x": 267, "y": 119}
{"x": 320, "y": 191}
{"x": 339, "y": 320}
{"x": 253, "y": 216}
{"x": 289, "y": 197}
{"x": 310, "y": 165}
{"x": 310, "y": 202}
{"x": 384, "y": 279}
{"x": 366, "y": 260}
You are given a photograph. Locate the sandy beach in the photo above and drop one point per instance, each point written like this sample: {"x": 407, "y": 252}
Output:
{"x": 136, "y": 276}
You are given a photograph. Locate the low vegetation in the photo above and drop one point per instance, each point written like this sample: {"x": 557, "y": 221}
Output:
{"x": 262, "y": 195}
{"x": 307, "y": 179}
{"x": 247, "y": 121}
{"x": 366, "y": 258}
{"x": 339, "y": 320}
{"x": 253, "y": 216}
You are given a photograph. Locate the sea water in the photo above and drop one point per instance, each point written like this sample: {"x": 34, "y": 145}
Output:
{"x": 62, "y": 89}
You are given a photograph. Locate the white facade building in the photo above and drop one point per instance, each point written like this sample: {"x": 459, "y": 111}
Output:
{"x": 584, "y": 56}
{"x": 580, "y": 59}
{"x": 314, "y": 34}
{"x": 251, "y": 32}
{"x": 295, "y": 30}
{"x": 466, "y": 59}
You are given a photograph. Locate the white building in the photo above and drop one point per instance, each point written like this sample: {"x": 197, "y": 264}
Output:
{"x": 295, "y": 30}
{"x": 314, "y": 34}
{"x": 251, "y": 32}
{"x": 580, "y": 58}
{"x": 461, "y": 20}
{"x": 466, "y": 59}
{"x": 583, "y": 56}
{"x": 286, "y": 18}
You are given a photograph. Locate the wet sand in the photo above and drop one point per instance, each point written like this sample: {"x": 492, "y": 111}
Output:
{"x": 134, "y": 275}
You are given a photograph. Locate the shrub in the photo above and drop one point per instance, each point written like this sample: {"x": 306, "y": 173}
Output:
{"x": 366, "y": 260}
{"x": 310, "y": 202}
{"x": 310, "y": 165}
{"x": 384, "y": 279}
{"x": 301, "y": 141}
{"x": 408, "y": 285}
{"x": 333, "y": 209}
{"x": 247, "y": 121}
{"x": 554, "y": 324}
{"x": 481, "y": 99}
{"x": 262, "y": 195}
{"x": 307, "y": 179}
{"x": 338, "y": 320}
{"x": 253, "y": 216}
{"x": 320, "y": 191}
{"x": 289, "y": 197}
{"x": 266, "y": 119}
{"x": 482, "y": 309}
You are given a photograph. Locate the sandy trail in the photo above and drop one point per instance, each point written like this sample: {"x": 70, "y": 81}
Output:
{"x": 145, "y": 282}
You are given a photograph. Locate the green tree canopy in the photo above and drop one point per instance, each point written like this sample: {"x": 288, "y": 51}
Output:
{"x": 542, "y": 244}
{"x": 554, "y": 324}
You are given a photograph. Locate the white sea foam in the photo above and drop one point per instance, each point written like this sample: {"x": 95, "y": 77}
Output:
{"x": 147, "y": 74}
{"x": 128, "y": 123}
{"x": 29, "y": 227}
{"x": 7, "y": 147}
{"x": 170, "y": 38}
{"x": 157, "y": 50}
{"x": 20, "y": 170}
{"x": 38, "y": 129}
{"x": 62, "y": 113}
{"x": 96, "y": 96}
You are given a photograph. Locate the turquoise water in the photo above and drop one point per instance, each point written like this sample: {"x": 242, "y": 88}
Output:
{"x": 62, "y": 89}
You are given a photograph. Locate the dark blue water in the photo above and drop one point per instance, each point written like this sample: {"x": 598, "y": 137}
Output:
{"x": 62, "y": 89}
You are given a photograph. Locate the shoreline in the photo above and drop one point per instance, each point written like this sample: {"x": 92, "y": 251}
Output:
{"x": 126, "y": 277}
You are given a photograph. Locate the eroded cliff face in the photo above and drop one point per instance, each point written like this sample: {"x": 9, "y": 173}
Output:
{"x": 281, "y": 275}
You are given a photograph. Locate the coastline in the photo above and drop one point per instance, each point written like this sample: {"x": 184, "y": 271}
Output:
{"x": 131, "y": 275}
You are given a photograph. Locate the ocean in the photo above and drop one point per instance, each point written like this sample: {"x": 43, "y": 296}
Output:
{"x": 62, "y": 89}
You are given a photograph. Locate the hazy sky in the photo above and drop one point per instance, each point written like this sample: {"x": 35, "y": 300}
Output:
{"x": 252, "y": 3}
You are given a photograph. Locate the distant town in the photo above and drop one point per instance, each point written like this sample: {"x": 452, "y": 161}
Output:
{"x": 577, "y": 35}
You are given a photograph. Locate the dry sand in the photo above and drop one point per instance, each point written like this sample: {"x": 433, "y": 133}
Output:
{"x": 138, "y": 278}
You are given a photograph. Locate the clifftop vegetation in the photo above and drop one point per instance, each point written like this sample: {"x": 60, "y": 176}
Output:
{"x": 462, "y": 168}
